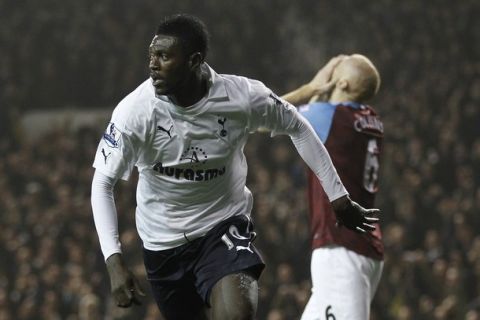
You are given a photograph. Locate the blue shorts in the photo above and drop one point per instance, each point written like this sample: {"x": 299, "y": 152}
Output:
{"x": 182, "y": 277}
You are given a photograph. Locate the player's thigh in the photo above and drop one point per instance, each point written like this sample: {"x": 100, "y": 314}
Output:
{"x": 235, "y": 296}
{"x": 227, "y": 250}
{"x": 341, "y": 284}
{"x": 172, "y": 297}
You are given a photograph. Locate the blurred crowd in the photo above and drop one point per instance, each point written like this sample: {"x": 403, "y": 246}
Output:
{"x": 91, "y": 53}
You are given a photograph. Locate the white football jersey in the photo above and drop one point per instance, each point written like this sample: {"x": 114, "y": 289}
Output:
{"x": 192, "y": 169}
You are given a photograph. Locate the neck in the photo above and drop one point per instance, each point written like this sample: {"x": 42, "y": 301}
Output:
{"x": 341, "y": 96}
{"x": 192, "y": 91}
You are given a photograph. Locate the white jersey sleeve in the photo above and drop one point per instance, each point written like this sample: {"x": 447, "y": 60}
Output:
{"x": 270, "y": 112}
{"x": 120, "y": 146}
{"x": 105, "y": 214}
{"x": 118, "y": 152}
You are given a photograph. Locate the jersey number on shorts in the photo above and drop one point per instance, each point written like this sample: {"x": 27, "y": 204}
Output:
{"x": 328, "y": 314}
{"x": 370, "y": 173}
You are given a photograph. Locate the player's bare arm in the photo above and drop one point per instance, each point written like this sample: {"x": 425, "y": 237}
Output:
{"x": 304, "y": 93}
{"x": 321, "y": 84}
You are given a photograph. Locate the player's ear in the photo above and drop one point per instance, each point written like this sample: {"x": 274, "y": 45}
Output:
{"x": 342, "y": 84}
{"x": 195, "y": 60}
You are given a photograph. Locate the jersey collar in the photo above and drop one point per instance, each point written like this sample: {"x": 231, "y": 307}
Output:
{"x": 351, "y": 104}
{"x": 217, "y": 90}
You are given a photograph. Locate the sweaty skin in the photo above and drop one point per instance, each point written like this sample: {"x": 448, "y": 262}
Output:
{"x": 175, "y": 73}
{"x": 233, "y": 302}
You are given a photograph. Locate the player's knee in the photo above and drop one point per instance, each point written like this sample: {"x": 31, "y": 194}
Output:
{"x": 244, "y": 308}
{"x": 238, "y": 312}
{"x": 235, "y": 297}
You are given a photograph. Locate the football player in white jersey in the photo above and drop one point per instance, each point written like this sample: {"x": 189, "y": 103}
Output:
{"x": 184, "y": 129}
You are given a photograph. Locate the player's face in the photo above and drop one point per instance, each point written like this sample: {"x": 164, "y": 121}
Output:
{"x": 169, "y": 67}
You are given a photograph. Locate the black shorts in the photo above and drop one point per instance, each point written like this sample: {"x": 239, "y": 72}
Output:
{"x": 183, "y": 277}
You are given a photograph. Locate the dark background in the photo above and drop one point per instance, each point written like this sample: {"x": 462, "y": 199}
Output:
{"x": 87, "y": 55}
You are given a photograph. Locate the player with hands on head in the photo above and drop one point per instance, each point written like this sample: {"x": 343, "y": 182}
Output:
{"x": 318, "y": 89}
{"x": 185, "y": 128}
{"x": 346, "y": 266}
{"x": 320, "y": 86}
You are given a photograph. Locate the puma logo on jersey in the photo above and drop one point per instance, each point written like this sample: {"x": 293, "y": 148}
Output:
{"x": 105, "y": 156}
{"x": 160, "y": 128}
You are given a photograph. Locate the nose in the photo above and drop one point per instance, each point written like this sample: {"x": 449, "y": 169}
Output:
{"x": 153, "y": 63}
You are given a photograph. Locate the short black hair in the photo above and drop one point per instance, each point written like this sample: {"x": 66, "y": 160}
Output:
{"x": 191, "y": 31}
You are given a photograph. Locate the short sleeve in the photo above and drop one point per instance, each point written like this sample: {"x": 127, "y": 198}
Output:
{"x": 116, "y": 153}
{"x": 320, "y": 116}
{"x": 269, "y": 111}
{"x": 123, "y": 141}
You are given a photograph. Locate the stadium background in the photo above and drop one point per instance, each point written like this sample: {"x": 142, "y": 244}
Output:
{"x": 84, "y": 56}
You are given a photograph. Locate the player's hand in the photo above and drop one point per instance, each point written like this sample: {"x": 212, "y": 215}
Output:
{"x": 318, "y": 88}
{"x": 353, "y": 216}
{"x": 324, "y": 75}
{"x": 124, "y": 286}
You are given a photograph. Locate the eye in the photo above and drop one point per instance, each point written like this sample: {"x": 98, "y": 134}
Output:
{"x": 156, "y": 54}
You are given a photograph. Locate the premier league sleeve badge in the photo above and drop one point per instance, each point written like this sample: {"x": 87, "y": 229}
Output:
{"x": 112, "y": 136}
